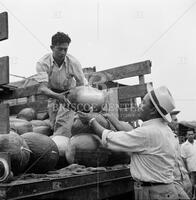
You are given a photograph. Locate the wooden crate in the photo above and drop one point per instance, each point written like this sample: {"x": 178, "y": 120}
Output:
{"x": 122, "y": 97}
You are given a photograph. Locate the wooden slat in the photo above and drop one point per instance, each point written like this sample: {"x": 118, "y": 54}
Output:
{"x": 121, "y": 72}
{"x": 132, "y": 91}
{"x": 20, "y": 92}
{"x": 4, "y": 70}
{"x": 4, "y": 118}
{"x": 3, "y": 26}
{"x": 128, "y": 114}
{"x": 39, "y": 106}
{"x": 112, "y": 104}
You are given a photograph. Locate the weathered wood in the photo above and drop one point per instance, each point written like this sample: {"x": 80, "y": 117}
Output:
{"x": 121, "y": 72}
{"x": 3, "y": 26}
{"x": 128, "y": 114}
{"x": 112, "y": 104}
{"x": 141, "y": 79}
{"x": 39, "y": 106}
{"x": 20, "y": 92}
{"x": 4, "y": 70}
{"x": 90, "y": 186}
{"x": 132, "y": 91}
{"x": 99, "y": 77}
{"x": 4, "y": 118}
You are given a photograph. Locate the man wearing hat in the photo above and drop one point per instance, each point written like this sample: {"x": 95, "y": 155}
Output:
{"x": 152, "y": 153}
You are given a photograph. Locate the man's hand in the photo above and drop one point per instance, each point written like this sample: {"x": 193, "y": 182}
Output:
{"x": 85, "y": 117}
{"x": 61, "y": 97}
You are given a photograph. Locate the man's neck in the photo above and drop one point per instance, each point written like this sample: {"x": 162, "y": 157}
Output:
{"x": 58, "y": 62}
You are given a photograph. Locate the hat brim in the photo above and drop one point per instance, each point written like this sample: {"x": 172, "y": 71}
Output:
{"x": 165, "y": 117}
{"x": 175, "y": 112}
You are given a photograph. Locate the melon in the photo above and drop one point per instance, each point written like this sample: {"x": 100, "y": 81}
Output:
{"x": 20, "y": 126}
{"x": 83, "y": 97}
{"x": 18, "y": 149}
{"x": 86, "y": 149}
{"x": 44, "y": 130}
{"x": 36, "y": 123}
{"x": 27, "y": 113}
{"x": 79, "y": 127}
{"x": 62, "y": 144}
{"x": 42, "y": 116}
{"x": 44, "y": 155}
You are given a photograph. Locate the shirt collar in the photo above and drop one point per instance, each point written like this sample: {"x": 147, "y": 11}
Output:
{"x": 53, "y": 61}
{"x": 151, "y": 121}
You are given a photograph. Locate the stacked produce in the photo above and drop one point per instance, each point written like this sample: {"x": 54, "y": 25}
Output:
{"x": 45, "y": 152}
{"x": 62, "y": 145}
{"x": 18, "y": 149}
{"x": 34, "y": 148}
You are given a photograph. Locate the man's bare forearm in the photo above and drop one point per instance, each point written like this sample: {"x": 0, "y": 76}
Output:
{"x": 49, "y": 93}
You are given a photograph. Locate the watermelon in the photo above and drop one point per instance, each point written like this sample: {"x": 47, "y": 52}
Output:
{"x": 86, "y": 149}
{"x": 83, "y": 97}
{"x": 45, "y": 130}
{"x": 36, "y": 123}
{"x": 62, "y": 144}
{"x": 79, "y": 127}
{"x": 27, "y": 114}
{"x": 20, "y": 126}
{"x": 18, "y": 149}
{"x": 45, "y": 152}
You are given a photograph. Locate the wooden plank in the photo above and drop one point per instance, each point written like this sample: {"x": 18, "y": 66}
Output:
{"x": 133, "y": 91}
{"x": 4, "y": 118}
{"x": 3, "y": 26}
{"x": 121, "y": 72}
{"x": 112, "y": 104}
{"x": 90, "y": 186}
{"x": 39, "y": 106}
{"x": 4, "y": 69}
{"x": 20, "y": 92}
{"x": 128, "y": 114}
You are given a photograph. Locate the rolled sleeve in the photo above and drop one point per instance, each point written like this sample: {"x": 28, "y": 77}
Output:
{"x": 104, "y": 137}
{"x": 132, "y": 141}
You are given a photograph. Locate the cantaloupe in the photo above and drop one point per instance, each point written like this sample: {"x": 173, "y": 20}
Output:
{"x": 86, "y": 149}
{"x": 62, "y": 144}
{"x": 18, "y": 149}
{"x": 20, "y": 126}
{"x": 27, "y": 114}
{"x": 45, "y": 152}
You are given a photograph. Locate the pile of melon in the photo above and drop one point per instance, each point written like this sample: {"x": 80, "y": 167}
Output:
{"x": 34, "y": 149}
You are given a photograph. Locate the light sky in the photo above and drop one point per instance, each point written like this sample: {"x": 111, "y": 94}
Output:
{"x": 110, "y": 33}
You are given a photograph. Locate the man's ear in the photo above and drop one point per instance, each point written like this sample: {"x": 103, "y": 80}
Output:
{"x": 153, "y": 110}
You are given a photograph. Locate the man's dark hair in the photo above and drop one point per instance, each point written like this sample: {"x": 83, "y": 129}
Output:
{"x": 60, "y": 38}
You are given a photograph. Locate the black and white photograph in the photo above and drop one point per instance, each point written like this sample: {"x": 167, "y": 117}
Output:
{"x": 97, "y": 99}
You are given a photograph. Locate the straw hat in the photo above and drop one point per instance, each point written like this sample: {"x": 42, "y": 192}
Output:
{"x": 162, "y": 100}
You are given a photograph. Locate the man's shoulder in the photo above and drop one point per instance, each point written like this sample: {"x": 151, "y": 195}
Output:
{"x": 72, "y": 59}
{"x": 45, "y": 59}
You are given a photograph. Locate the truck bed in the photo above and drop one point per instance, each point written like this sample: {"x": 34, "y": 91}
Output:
{"x": 109, "y": 183}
